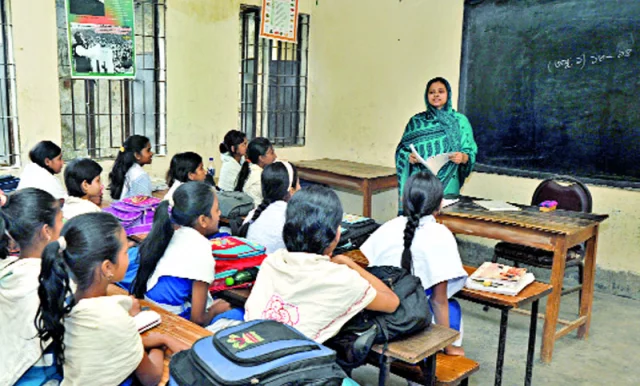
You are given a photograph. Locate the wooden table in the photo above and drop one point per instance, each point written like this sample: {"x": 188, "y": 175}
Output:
{"x": 530, "y": 294}
{"x": 171, "y": 324}
{"x": 553, "y": 231}
{"x": 364, "y": 178}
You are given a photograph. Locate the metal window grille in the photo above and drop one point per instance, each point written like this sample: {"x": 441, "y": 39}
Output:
{"x": 273, "y": 80}
{"x": 8, "y": 114}
{"x": 99, "y": 114}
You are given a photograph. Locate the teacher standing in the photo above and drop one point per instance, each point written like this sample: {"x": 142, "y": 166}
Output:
{"x": 439, "y": 129}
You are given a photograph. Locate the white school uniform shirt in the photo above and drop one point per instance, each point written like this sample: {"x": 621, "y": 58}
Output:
{"x": 136, "y": 183}
{"x": 188, "y": 256}
{"x": 35, "y": 176}
{"x": 267, "y": 229}
{"x": 169, "y": 195}
{"x": 308, "y": 292}
{"x": 102, "y": 343}
{"x": 253, "y": 185}
{"x": 434, "y": 251}
{"x": 18, "y": 306}
{"x": 75, "y": 206}
{"x": 229, "y": 172}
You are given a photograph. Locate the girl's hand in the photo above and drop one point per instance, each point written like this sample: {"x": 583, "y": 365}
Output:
{"x": 413, "y": 159}
{"x": 135, "y": 307}
{"x": 459, "y": 158}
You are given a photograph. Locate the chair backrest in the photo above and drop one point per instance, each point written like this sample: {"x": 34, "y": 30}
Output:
{"x": 574, "y": 196}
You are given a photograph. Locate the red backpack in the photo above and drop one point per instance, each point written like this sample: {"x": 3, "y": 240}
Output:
{"x": 234, "y": 254}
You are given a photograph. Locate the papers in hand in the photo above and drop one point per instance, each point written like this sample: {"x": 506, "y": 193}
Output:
{"x": 496, "y": 205}
{"x": 435, "y": 163}
{"x": 146, "y": 320}
{"x": 500, "y": 279}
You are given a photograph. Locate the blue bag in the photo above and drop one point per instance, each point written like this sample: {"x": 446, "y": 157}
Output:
{"x": 260, "y": 352}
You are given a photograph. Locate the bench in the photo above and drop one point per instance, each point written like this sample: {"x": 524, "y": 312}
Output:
{"x": 450, "y": 370}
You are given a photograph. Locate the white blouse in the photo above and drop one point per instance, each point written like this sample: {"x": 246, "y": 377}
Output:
{"x": 267, "y": 229}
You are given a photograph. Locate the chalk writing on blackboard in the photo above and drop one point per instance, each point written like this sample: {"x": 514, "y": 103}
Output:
{"x": 579, "y": 62}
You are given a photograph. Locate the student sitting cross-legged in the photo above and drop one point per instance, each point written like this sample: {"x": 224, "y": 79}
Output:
{"x": 82, "y": 177}
{"x": 264, "y": 224}
{"x": 303, "y": 286}
{"x": 92, "y": 334}
{"x": 176, "y": 265}
{"x": 417, "y": 243}
{"x": 30, "y": 218}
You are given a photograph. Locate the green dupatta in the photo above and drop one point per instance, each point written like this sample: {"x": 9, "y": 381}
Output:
{"x": 434, "y": 132}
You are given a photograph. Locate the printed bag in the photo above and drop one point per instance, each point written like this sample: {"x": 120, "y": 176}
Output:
{"x": 135, "y": 213}
{"x": 233, "y": 254}
{"x": 260, "y": 352}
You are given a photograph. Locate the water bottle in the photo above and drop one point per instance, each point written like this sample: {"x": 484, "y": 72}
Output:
{"x": 245, "y": 276}
{"x": 211, "y": 173}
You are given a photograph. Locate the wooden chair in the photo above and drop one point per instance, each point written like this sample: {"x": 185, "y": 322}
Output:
{"x": 572, "y": 195}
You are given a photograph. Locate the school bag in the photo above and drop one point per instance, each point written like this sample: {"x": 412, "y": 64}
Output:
{"x": 8, "y": 183}
{"x": 355, "y": 230}
{"x": 135, "y": 213}
{"x": 412, "y": 315}
{"x": 234, "y": 254}
{"x": 260, "y": 352}
{"x": 234, "y": 204}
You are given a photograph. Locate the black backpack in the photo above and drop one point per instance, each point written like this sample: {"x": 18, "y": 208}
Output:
{"x": 413, "y": 315}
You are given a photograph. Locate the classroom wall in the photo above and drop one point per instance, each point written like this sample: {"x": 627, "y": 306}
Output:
{"x": 368, "y": 64}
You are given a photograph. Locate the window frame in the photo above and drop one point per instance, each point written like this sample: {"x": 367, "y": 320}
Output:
{"x": 11, "y": 129}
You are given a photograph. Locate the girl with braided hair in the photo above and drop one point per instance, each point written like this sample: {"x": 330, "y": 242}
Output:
{"x": 264, "y": 224}
{"x": 417, "y": 243}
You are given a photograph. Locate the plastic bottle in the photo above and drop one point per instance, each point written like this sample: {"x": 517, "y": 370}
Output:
{"x": 211, "y": 168}
{"x": 241, "y": 277}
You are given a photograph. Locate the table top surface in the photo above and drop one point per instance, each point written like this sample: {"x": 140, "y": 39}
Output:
{"x": 346, "y": 168}
{"x": 558, "y": 221}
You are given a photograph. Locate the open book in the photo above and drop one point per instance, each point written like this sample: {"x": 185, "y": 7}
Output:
{"x": 435, "y": 163}
{"x": 499, "y": 278}
{"x": 146, "y": 320}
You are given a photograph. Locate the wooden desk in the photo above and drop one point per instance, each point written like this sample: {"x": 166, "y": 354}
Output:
{"x": 364, "y": 178}
{"x": 530, "y": 294}
{"x": 552, "y": 231}
{"x": 171, "y": 324}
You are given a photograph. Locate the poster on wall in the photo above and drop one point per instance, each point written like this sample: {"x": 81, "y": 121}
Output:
{"x": 101, "y": 40}
{"x": 279, "y": 20}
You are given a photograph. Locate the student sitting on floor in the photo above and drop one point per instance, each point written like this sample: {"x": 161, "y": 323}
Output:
{"x": 127, "y": 178}
{"x": 264, "y": 224}
{"x": 31, "y": 218}
{"x": 260, "y": 152}
{"x": 94, "y": 335}
{"x": 417, "y": 243}
{"x": 184, "y": 167}
{"x": 233, "y": 150}
{"x": 304, "y": 287}
{"x": 176, "y": 266}
{"x": 46, "y": 161}
{"x": 82, "y": 177}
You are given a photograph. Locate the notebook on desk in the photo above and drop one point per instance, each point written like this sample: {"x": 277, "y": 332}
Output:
{"x": 493, "y": 205}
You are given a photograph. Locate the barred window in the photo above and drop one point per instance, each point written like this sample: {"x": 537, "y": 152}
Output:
{"x": 99, "y": 114}
{"x": 9, "y": 148}
{"x": 273, "y": 80}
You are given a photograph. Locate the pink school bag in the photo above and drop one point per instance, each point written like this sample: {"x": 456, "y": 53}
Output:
{"x": 135, "y": 213}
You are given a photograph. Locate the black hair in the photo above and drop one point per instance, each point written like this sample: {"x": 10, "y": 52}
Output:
{"x": 78, "y": 171}
{"x": 422, "y": 196}
{"x": 191, "y": 200}
{"x": 231, "y": 141}
{"x": 23, "y": 215}
{"x": 124, "y": 161}
{"x": 257, "y": 147}
{"x": 42, "y": 151}
{"x": 275, "y": 187}
{"x": 91, "y": 239}
{"x": 312, "y": 220}
{"x": 181, "y": 165}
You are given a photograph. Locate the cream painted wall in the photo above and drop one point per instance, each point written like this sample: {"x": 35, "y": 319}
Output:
{"x": 369, "y": 62}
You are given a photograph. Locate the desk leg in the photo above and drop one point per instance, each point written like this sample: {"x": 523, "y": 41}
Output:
{"x": 533, "y": 324}
{"x": 588, "y": 284}
{"x": 385, "y": 369}
{"x": 553, "y": 302}
{"x": 502, "y": 341}
{"x": 428, "y": 367}
{"x": 366, "y": 198}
